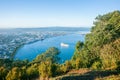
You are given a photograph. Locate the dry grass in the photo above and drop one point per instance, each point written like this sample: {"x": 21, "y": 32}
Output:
{"x": 80, "y": 71}
{"x": 87, "y": 74}
{"x": 111, "y": 77}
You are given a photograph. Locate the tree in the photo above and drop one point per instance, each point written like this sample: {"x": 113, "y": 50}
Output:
{"x": 78, "y": 48}
{"x": 110, "y": 55}
{"x": 105, "y": 31}
{"x": 47, "y": 69}
{"x": 51, "y": 55}
{"x": 3, "y": 73}
{"x": 32, "y": 71}
{"x": 14, "y": 74}
{"x": 19, "y": 63}
{"x": 67, "y": 66}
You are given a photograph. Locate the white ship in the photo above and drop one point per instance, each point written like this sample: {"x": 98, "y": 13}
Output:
{"x": 64, "y": 45}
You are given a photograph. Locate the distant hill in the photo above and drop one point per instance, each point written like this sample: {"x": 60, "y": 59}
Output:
{"x": 48, "y": 29}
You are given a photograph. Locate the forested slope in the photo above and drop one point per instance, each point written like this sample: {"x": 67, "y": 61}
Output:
{"x": 96, "y": 58}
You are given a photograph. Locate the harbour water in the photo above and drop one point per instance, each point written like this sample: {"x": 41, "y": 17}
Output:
{"x": 30, "y": 51}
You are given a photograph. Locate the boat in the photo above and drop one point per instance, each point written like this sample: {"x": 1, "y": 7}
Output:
{"x": 64, "y": 45}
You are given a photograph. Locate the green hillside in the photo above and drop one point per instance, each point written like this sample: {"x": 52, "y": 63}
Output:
{"x": 98, "y": 58}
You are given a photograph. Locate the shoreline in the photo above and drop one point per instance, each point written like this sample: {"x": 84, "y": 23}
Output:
{"x": 17, "y": 48}
{"x": 15, "y": 52}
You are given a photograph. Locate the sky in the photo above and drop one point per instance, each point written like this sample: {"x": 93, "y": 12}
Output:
{"x": 50, "y": 13}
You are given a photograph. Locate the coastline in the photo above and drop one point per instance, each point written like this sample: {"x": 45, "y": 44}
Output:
{"x": 20, "y": 46}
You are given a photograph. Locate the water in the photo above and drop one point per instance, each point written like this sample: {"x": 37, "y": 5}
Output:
{"x": 30, "y": 51}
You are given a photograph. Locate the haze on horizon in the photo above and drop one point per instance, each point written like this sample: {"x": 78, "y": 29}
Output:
{"x": 45, "y": 13}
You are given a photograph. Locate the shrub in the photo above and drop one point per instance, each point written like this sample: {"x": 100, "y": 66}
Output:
{"x": 96, "y": 65}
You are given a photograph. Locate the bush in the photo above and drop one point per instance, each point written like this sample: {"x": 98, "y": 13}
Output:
{"x": 67, "y": 66}
{"x": 110, "y": 55}
{"x": 32, "y": 71}
{"x": 48, "y": 69}
{"x": 14, "y": 74}
{"x": 96, "y": 65}
{"x": 3, "y": 73}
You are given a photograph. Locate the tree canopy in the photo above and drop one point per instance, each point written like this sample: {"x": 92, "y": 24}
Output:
{"x": 100, "y": 50}
{"x": 102, "y": 44}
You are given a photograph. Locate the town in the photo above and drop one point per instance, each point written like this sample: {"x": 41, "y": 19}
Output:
{"x": 10, "y": 41}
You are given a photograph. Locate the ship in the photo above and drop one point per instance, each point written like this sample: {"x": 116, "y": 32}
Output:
{"x": 64, "y": 45}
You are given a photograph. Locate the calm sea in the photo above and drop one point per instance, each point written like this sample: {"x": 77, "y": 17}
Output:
{"x": 30, "y": 51}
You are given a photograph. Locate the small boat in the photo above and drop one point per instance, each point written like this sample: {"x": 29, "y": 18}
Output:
{"x": 64, "y": 45}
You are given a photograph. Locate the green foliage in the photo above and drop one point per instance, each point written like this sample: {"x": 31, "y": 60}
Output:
{"x": 6, "y": 63}
{"x": 19, "y": 63}
{"x": 67, "y": 66}
{"x": 78, "y": 48}
{"x": 102, "y": 45}
{"x": 47, "y": 69}
{"x": 96, "y": 65}
{"x": 47, "y": 62}
{"x": 80, "y": 57}
{"x": 101, "y": 50}
{"x": 3, "y": 73}
{"x": 118, "y": 66}
{"x": 79, "y": 63}
{"x": 110, "y": 54}
{"x": 14, "y": 74}
{"x": 49, "y": 55}
{"x": 32, "y": 71}
{"x": 106, "y": 30}
{"x": 44, "y": 64}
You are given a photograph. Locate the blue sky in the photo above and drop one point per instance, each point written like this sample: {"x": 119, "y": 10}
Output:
{"x": 44, "y": 13}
